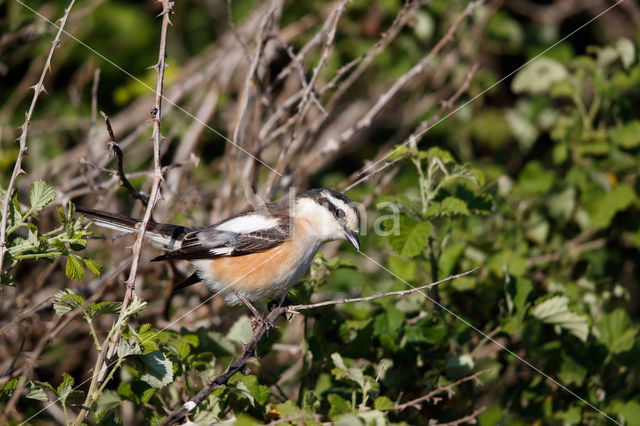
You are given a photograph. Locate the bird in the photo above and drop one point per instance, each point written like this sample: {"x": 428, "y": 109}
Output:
{"x": 257, "y": 254}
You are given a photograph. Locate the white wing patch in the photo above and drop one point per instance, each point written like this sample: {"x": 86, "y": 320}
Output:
{"x": 222, "y": 251}
{"x": 247, "y": 224}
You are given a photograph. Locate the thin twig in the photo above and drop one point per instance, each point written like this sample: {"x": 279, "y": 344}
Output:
{"x": 247, "y": 355}
{"x": 336, "y": 143}
{"x": 416, "y": 135}
{"x": 113, "y": 144}
{"x": 432, "y": 396}
{"x": 378, "y": 296}
{"x": 471, "y": 418}
{"x": 108, "y": 350}
{"x": 17, "y": 168}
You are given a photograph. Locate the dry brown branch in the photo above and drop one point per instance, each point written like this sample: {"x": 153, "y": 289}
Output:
{"x": 432, "y": 395}
{"x": 156, "y": 114}
{"x": 471, "y": 419}
{"x": 402, "y": 18}
{"x": 113, "y": 143}
{"x": 417, "y": 69}
{"x": 417, "y": 134}
{"x": 38, "y": 88}
{"x": 336, "y": 143}
{"x": 247, "y": 355}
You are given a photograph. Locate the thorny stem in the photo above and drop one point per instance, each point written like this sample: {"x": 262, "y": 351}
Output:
{"x": 17, "y": 168}
{"x": 109, "y": 350}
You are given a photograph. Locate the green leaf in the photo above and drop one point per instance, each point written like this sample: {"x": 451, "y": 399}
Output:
{"x": 630, "y": 411}
{"x": 338, "y": 406}
{"x": 538, "y": 76}
{"x": 406, "y": 269}
{"x": 627, "y": 136}
{"x": 258, "y": 392}
{"x": 458, "y": 366}
{"x": 448, "y": 207}
{"x": 383, "y": 403}
{"x": 616, "y": 331}
{"x": 101, "y": 308}
{"x": 411, "y": 237}
{"x": 534, "y": 179}
{"x": 241, "y": 331}
{"x": 36, "y": 392}
{"x": 93, "y": 266}
{"x": 65, "y": 388}
{"x": 158, "y": 370}
{"x": 571, "y": 372}
{"x": 40, "y": 195}
{"x": 627, "y": 51}
{"x": 7, "y": 389}
{"x": 66, "y": 301}
{"x": 619, "y": 199}
{"x": 556, "y": 311}
{"x": 74, "y": 269}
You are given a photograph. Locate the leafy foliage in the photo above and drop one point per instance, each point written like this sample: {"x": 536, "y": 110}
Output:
{"x": 62, "y": 241}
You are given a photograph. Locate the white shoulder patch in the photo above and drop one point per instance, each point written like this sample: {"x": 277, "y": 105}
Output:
{"x": 248, "y": 223}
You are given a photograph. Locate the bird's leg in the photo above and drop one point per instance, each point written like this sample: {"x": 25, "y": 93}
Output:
{"x": 258, "y": 317}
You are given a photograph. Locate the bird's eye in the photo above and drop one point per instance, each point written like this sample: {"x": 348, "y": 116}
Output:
{"x": 340, "y": 213}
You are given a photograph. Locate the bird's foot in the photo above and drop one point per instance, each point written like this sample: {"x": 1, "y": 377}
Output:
{"x": 262, "y": 319}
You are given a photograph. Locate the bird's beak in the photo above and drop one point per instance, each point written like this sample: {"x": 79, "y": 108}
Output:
{"x": 352, "y": 237}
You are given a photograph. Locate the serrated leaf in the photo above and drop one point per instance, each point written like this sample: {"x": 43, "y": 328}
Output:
{"x": 259, "y": 393}
{"x": 66, "y": 301}
{"x": 93, "y": 266}
{"x": 556, "y": 311}
{"x": 74, "y": 269}
{"x": 241, "y": 330}
{"x": 36, "y": 392}
{"x": 448, "y": 207}
{"x": 135, "y": 306}
{"x": 411, "y": 237}
{"x": 128, "y": 347}
{"x": 65, "y": 387}
{"x": 158, "y": 370}
{"x": 616, "y": 331}
{"x": 101, "y": 308}
{"x": 40, "y": 195}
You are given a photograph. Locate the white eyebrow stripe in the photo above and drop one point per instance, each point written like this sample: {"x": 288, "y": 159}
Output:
{"x": 247, "y": 224}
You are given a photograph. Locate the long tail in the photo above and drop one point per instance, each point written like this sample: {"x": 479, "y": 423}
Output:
{"x": 168, "y": 235}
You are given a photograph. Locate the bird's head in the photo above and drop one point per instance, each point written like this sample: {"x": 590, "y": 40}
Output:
{"x": 331, "y": 214}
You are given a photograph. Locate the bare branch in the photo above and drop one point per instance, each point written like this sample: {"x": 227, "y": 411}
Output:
{"x": 417, "y": 134}
{"x": 17, "y": 169}
{"x": 113, "y": 143}
{"x": 381, "y": 295}
{"x": 109, "y": 350}
{"x": 432, "y": 396}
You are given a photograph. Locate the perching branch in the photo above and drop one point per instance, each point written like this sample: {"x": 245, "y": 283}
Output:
{"x": 247, "y": 355}
{"x": 17, "y": 168}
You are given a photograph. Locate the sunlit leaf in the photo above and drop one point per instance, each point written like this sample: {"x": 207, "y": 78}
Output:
{"x": 556, "y": 311}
